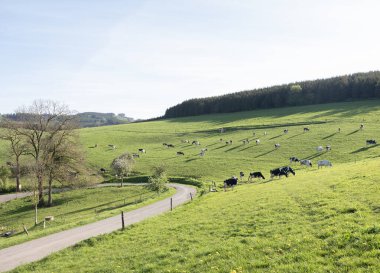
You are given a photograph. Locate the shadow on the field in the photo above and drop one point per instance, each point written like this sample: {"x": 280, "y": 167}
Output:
{"x": 233, "y": 148}
{"x": 276, "y": 136}
{"x": 223, "y": 146}
{"x": 326, "y": 137}
{"x": 363, "y": 149}
{"x": 315, "y": 155}
{"x": 260, "y": 155}
{"x": 353, "y": 132}
{"x": 295, "y": 135}
{"x": 212, "y": 144}
{"x": 191, "y": 159}
{"x": 249, "y": 147}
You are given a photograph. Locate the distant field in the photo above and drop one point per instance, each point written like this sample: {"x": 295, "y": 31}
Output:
{"x": 71, "y": 209}
{"x": 222, "y": 161}
{"x": 324, "y": 220}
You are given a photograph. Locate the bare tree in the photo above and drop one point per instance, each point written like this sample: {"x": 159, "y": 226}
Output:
{"x": 44, "y": 125}
{"x": 17, "y": 148}
{"x": 123, "y": 165}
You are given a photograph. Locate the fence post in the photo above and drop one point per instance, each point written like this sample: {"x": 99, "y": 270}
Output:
{"x": 191, "y": 196}
{"x": 122, "y": 220}
{"x": 171, "y": 204}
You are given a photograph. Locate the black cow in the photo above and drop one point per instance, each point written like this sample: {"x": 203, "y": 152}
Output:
{"x": 141, "y": 150}
{"x": 170, "y": 146}
{"x": 282, "y": 171}
{"x": 102, "y": 170}
{"x": 306, "y": 129}
{"x": 231, "y": 182}
{"x": 370, "y": 142}
{"x": 256, "y": 175}
{"x": 180, "y": 153}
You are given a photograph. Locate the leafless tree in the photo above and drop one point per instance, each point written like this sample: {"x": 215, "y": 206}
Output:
{"x": 46, "y": 126}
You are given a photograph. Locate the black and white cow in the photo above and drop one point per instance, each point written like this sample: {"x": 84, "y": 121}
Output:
{"x": 170, "y": 146}
{"x": 141, "y": 150}
{"x": 103, "y": 170}
{"x": 328, "y": 148}
{"x": 286, "y": 131}
{"x": 241, "y": 175}
{"x": 277, "y": 145}
{"x": 231, "y": 182}
{"x": 113, "y": 147}
{"x": 370, "y": 142}
{"x": 361, "y": 126}
{"x": 306, "y": 129}
{"x": 195, "y": 142}
{"x": 256, "y": 175}
{"x": 180, "y": 153}
{"x": 306, "y": 162}
{"x": 282, "y": 171}
{"x": 319, "y": 149}
{"x": 293, "y": 159}
{"x": 257, "y": 141}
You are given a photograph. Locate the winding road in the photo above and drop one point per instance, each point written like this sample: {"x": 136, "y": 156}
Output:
{"x": 37, "y": 249}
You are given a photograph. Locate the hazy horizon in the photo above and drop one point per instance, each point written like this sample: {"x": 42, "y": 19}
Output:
{"x": 141, "y": 57}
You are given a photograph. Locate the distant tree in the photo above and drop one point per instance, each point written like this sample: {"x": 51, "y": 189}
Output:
{"x": 123, "y": 166}
{"x": 295, "y": 88}
{"x": 157, "y": 182}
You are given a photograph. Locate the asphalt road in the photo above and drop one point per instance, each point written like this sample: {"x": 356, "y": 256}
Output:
{"x": 37, "y": 249}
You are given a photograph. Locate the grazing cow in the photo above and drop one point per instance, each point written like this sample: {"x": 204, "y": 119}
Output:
{"x": 204, "y": 150}
{"x": 370, "y": 142}
{"x": 293, "y": 159}
{"x": 134, "y": 155}
{"x": 361, "y": 126}
{"x": 113, "y": 147}
{"x": 286, "y": 131}
{"x": 170, "y": 146}
{"x": 185, "y": 141}
{"x": 202, "y": 153}
{"x": 306, "y": 162}
{"x": 221, "y": 139}
{"x": 245, "y": 141}
{"x": 180, "y": 153}
{"x": 281, "y": 171}
{"x": 277, "y": 145}
{"x": 241, "y": 175}
{"x": 142, "y": 150}
{"x": 328, "y": 148}
{"x": 253, "y": 133}
{"x": 102, "y": 170}
{"x": 306, "y": 129}
{"x": 322, "y": 163}
{"x": 230, "y": 142}
{"x": 319, "y": 149}
{"x": 231, "y": 182}
{"x": 257, "y": 141}
{"x": 339, "y": 130}
{"x": 164, "y": 144}
{"x": 256, "y": 175}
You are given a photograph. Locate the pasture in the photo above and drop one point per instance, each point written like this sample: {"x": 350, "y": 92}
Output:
{"x": 71, "y": 208}
{"x": 317, "y": 221}
{"x": 222, "y": 161}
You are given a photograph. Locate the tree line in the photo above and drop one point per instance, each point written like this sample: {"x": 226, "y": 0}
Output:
{"x": 359, "y": 86}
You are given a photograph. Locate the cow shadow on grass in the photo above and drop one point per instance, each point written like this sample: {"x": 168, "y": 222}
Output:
{"x": 223, "y": 146}
{"x": 233, "y": 148}
{"x": 276, "y": 137}
{"x": 249, "y": 147}
{"x": 315, "y": 155}
{"x": 260, "y": 155}
{"x": 212, "y": 144}
{"x": 353, "y": 132}
{"x": 191, "y": 159}
{"x": 333, "y": 134}
{"x": 363, "y": 149}
{"x": 295, "y": 135}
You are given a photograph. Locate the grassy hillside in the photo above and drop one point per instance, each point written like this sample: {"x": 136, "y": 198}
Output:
{"x": 222, "y": 160}
{"x": 319, "y": 221}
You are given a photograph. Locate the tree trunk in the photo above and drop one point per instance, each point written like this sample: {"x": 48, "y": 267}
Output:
{"x": 50, "y": 197}
{"x": 18, "y": 188}
{"x": 41, "y": 201}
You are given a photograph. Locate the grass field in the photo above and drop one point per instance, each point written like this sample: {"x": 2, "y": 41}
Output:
{"x": 222, "y": 160}
{"x": 321, "y": 220}
{"x": 71, "y": 209}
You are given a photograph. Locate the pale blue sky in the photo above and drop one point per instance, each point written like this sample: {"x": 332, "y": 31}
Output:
{"x": 141, "y": 57}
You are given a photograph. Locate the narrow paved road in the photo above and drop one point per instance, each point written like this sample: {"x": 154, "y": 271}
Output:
{"x": 37, "y": 249}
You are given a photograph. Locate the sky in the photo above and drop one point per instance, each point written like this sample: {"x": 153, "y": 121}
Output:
{"x": 141, "y": 57}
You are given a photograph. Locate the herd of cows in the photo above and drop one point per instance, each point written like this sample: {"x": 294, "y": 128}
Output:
{"x": 277, "y": 172}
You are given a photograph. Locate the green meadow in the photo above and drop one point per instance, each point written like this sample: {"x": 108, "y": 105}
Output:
{"x": 71, "y": 209}
{"x": 320, "y": 220}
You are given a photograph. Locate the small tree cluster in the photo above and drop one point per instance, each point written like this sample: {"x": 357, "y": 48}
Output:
{"x": 158, "y": 181}
{"x": 123, "y": 166}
